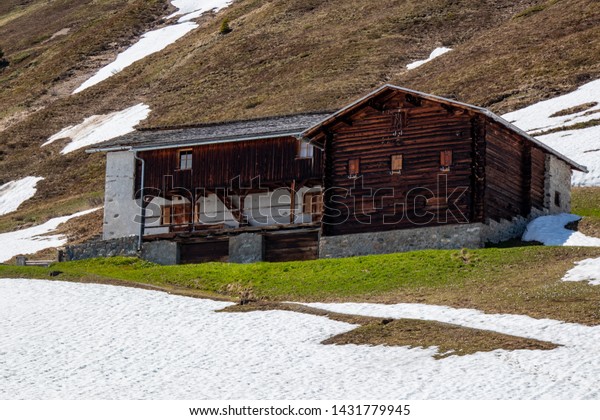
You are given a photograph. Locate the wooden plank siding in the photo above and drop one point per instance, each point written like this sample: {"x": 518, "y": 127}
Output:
{"x": 515, "y": 172}
{"x": 421, "y": 135}
{"x": 273, "y": 160}
{"x": 293, "y": 246}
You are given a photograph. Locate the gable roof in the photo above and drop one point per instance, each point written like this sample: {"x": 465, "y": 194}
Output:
{"x": 388, "y": 88}
{"x": 235, "y": 131}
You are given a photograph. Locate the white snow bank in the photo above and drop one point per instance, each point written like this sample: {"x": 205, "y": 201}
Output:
{"x": 34, "y": 239}
{"x": 554, "y": 331}
{"x": 551, "y": 231}
{"x": 100, "y": 128}
{"x": 194, "y": 8}
{"x": 140, "y": 344}
{"x": 586, "y": 270}
{"x": 537, "y": 117}
{"x": 15, "y": 193}
{"x": 150, "y": 43}
{"x": 583, "y": 146}
{"x": 434, "y": 54}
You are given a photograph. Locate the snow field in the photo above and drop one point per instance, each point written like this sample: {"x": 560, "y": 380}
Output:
{"x": 100, "y": 128}
{"x": 434, "y": 54}
{"x": 85, "y": 341}
{"x": 15, "y": 193}
{"x": 582, "y": 145}
{"x": 150, "y": 43}
{"x": 191, "y": 9}
{"x": 36, "y": 238}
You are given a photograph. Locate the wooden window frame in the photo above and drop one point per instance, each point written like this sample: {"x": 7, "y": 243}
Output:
{"x": 165, "y": 215}
{"x": 305, "y": 150}
{"x": 189, "y": 160}
{"x": 312, "y": 203}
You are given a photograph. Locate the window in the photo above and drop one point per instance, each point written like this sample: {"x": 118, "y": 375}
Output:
{"x": 166, "y": 215}
{"x": 397, "y": 164}
{"x": 313, "y": 205}
{"x": 556, "y": 198}
{"x": 445, "y": 160}
{"x": 353, "y": 168}
{"x": 305, "y": 150}
{"x": 185, "y": 159}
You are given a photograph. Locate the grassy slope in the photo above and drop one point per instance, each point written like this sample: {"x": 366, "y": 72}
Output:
{"x": 504, "y": 280}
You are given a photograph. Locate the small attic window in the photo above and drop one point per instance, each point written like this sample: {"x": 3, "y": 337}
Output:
{"x": 185, "y": 159}
{"x": 305, "y": 150}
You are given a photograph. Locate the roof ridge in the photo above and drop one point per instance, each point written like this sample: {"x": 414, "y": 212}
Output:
{"x": 222, "y": 123}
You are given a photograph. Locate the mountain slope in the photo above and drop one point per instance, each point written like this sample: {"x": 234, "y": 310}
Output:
{"x": 281, "y": 57}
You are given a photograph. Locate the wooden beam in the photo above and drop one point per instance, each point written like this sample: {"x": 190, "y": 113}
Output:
{"x": 293, "y": 202}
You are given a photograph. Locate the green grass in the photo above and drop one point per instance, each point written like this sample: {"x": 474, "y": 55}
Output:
{"x": 586, "y": 202}
{"x": 524, "y": 280}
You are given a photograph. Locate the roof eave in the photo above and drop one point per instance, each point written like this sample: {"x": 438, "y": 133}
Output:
{"x": 486, "y": 112}
{"x": 192, "y": 143}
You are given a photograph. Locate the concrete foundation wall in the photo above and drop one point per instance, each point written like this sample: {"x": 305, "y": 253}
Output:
{"x": 246, "y": 248}
{"x": 161, "y": 252}
{"x": 121, "y": 211}
{"x": 558, "y": 180}
{"x": 436, "y": 237}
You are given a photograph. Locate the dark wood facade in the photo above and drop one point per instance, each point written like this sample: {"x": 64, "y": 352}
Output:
{"x": 435, "y": 147}
{"x": 395, "y": 159}
{"x": 249, "y": 165}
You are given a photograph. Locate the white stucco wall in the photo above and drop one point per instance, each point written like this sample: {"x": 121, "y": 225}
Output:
{"x": 121, "y": 211}
{"x": 558, "y": 179}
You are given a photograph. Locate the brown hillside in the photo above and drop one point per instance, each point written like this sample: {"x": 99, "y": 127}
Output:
{"x": 290, "y": 56}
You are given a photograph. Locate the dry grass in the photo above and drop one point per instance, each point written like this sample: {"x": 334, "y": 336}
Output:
{"x": 450, "y": 340}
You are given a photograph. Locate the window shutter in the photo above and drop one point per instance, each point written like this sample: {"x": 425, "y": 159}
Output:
{"x": 397, "y": 163}
{"x": 446, "y": 158}
{"x": 166, "y": 215}
{"x": 353, "y": 167}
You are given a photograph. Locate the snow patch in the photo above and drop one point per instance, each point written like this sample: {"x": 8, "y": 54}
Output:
{"x": 15, "y": 193}
{"x": 100, "y": 128}
{"x": 36, "y": 238}
{"x": 150, "y": 43}
{"x": 537, "y": 117}
{"x": 434, "y": 54}
{"x": 551, "y": 231}
{"x": 583, "y": 145}
{"x": 567, "y": 334}
{"x": 191, "y": 9}
{"x": 141, "y": 344}
{"x": 586, "y": 270}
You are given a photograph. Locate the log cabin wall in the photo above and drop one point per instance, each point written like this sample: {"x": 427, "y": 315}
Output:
{"x": 427, "y": 142}
{"x": 515, "y": 173}
{"x": 217, "y": 165}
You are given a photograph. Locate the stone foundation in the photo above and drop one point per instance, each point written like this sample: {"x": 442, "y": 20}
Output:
{"x": 121, "y": 247}
{"x": 160, "y": 252}
{"x": 435, "y": 237}
{"x": 246, "y": 248}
